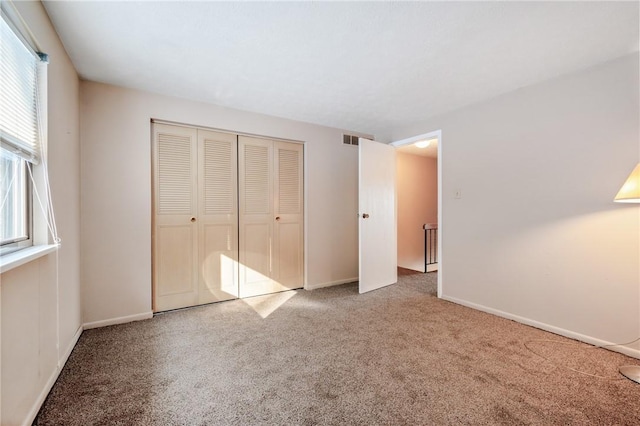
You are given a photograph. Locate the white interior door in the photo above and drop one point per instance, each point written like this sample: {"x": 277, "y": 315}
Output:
{"x": 228, "y": 216}
{"x": 175, "y": 238}
{"x": 256, "y": 215}
{"x": 217, "y": 216}
{"x": 378, "y": 223}
{"x": 271, "y": 216}
{"x": 288, "y": 227}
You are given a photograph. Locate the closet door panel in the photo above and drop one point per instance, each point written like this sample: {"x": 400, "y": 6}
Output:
{"x": 255, "y": 266}
{"x": 288, "y": 256}
{"x": 256, "y": 215}
{"x": 218, "y": 269}
{"x": 217, "y": 216}
{"x": 175, "y": 206}
{"x": 175, "y": 266}
{"x": 288, "y": 259}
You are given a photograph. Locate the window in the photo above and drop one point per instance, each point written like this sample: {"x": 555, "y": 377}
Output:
{"x": 19, "y": 69}
{"x": 15, "y": 205}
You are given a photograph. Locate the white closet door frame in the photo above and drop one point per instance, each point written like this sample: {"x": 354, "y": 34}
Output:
{"x": 190, "y": 265}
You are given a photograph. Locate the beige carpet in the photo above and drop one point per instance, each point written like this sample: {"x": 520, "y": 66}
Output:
{"x": 394, "y": 356}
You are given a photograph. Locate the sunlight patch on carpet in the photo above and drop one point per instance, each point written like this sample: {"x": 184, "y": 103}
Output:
{"x": 266, "y": 305}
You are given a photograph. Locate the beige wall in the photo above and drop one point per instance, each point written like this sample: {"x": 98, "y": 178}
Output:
{"x": 536, "y": 236}
{"x": 41, "y": 300}
{"x": 417, "y": 205}
{"x": 116, "y": 194}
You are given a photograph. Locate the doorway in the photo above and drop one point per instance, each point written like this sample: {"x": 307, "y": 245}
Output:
{"x": 419, "y": 160}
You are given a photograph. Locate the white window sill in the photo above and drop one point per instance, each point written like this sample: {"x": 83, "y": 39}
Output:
{"x": 26, "y": 255}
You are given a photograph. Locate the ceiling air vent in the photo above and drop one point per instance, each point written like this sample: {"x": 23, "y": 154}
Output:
{"x": 350, "y": 140}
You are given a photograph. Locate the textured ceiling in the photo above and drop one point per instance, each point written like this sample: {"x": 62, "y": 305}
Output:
{"x": 369, "y": 67}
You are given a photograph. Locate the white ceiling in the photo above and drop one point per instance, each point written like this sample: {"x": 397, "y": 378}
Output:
{"x": 368, "y": 67}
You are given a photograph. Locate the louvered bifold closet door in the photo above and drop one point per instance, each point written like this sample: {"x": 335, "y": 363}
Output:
{"x": 175, "y": 207}
{"x": 271, "y": 215}
{"x": 217, "y": 216}
{"x": 255, "y": 166}
{"x": 288, "y": 209}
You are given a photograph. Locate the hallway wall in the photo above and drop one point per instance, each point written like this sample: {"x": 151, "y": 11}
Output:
{"x": 417, "y": 205}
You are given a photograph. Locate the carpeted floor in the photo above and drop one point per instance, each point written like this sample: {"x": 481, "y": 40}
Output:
{"x": 394, "y": 356}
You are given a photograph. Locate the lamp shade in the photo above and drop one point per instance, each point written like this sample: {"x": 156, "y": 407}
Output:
{"x": 630, "y": 191}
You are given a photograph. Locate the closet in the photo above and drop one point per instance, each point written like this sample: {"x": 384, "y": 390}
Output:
{"x": 228, "y": 216}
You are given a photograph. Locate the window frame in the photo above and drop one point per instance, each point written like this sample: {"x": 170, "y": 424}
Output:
{"x": 10, "y": 246}
{"x": 11, "y": 18}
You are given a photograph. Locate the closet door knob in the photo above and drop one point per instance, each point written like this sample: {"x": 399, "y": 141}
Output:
{"x": 277, "y": 217}
{"x": 193, "y": 219}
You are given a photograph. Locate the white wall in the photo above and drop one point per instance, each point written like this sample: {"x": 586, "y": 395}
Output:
{"x": 417, "y": 183}
{"x": 41, "y": 299}
{"x": 116, "y": 194}
{"x": 536, "y": 235}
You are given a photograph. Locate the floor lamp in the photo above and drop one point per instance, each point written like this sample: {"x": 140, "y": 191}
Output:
{"x": 630, "y": 193}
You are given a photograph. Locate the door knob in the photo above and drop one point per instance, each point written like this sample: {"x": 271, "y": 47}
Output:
{"x": 193, "y": 219}
{"x": 365, "y": 215}
{"x": 277, "y": 217}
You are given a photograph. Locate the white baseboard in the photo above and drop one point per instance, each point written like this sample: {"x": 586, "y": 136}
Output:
{"x": 118, "y": 320}
{"x": 330, "y": 283}
{"x": 635, "y": 353}
{"x": 65, "y": 356}
{"x": 42, "y": 396}
{"x": 33, "y": 412}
